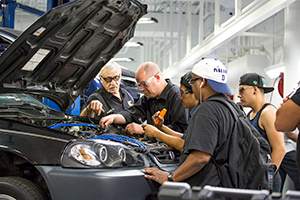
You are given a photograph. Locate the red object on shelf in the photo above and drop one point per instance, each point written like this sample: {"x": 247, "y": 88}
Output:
{"x": 280, "y": 84}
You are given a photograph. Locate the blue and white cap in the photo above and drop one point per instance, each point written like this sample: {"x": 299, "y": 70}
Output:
{"x": 214, "y": 72}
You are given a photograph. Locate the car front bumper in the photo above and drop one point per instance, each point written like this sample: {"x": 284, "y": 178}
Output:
{"x": 121, "y": 183}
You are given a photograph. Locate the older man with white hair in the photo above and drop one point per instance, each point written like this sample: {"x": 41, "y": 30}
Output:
{"x": 109, "y": 96}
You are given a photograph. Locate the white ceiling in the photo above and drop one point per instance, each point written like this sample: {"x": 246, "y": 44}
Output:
{"x": 189, "y": 30}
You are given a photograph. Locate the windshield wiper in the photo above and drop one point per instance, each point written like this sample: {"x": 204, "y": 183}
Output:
{"x": 22, "y": 105}
{"x": 17, "y": 113}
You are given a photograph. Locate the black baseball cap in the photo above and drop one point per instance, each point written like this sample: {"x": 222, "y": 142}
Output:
{"x": 254, "y": 79}
{"x": 185, "y": 80}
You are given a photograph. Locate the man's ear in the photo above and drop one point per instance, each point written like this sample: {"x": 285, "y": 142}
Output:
{"x": 101, "y": 79}
{"x": 256, "y": 89}
{"x": 158, "y": 77}
{"x": 203, "y": 83}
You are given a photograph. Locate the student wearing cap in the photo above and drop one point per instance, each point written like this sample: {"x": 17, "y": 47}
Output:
{"x": 209, "y": 128}
{"x": 164, "y": 133}
{"x": 252, "y": 88}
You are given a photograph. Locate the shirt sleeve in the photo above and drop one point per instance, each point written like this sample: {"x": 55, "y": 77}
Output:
{"x": 296, "y": 97}
{"x": 178, "y": 119}
{"x": 135, "y": 112}
{"x": 96, "y": 96}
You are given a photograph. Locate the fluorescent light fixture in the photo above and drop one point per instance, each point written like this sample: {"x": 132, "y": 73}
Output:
{"x": 133, "y": 44}
{"x": 123, "y": 59}
{"x": 149, "y": 20}
{"x": 274, "y": 71}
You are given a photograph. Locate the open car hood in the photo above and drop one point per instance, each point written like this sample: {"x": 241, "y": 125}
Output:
{"x": 60, "y": 54}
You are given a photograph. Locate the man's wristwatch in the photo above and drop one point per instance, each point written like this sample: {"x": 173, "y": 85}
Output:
{"x": 170, "y": 177}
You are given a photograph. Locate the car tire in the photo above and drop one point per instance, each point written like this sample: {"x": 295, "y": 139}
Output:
{"x": 19, "y": 189}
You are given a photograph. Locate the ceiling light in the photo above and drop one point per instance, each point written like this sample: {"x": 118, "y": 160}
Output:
{"x": 123, "y": 59}
{"x": 133, "y": 44}
{"x": 146, "y": 20}
{"x": 274, "y": 71}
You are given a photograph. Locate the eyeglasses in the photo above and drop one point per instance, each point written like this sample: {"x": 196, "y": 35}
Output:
{"x": 192, "y": 81}
{"x": 242, "y": 89}
{"x": 146, "y": 83}
{"x": 109, "y": 79}
{"x": 185, "y": 92}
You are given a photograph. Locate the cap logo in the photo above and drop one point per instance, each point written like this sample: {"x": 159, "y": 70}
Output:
{"x": 220, "y": 73}
{"x": 255, "y": 82}
{"x": 220, "y": 70}
{"x": 263, "y": 80}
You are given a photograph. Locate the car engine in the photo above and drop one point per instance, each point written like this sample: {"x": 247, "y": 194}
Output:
{"x": 24, "y": 108}
{"x": 157, "y": 150}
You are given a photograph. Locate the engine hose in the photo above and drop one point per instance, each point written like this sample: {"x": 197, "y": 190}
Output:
{"x": 54, "y": 126}
{"x": 120, "y": 138}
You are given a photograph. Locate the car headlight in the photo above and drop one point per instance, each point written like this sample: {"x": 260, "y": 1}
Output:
{"x": 98, "y": 153}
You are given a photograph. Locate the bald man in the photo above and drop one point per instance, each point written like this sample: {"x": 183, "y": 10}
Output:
{"x": 158, "y": 94}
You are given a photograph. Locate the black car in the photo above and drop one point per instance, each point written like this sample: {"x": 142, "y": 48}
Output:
{"x": 46, "y": 154}
{"x": 8, "y": 36}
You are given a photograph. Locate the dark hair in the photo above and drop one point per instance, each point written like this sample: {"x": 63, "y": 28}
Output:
{"x": 184, "y": 80}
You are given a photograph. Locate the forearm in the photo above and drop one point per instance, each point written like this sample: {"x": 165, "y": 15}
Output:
{"x": 193, "y": 164}
{"x": 169, "y": 131}
{"x": 173, "y": 141}
{"x": 119, "y": 119}
{"x": 277, "y": 156}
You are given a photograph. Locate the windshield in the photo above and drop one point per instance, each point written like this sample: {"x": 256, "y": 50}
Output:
{"x": 19, "y": 99}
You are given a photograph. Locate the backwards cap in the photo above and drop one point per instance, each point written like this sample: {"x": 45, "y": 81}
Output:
{"x": 254, "y": 79}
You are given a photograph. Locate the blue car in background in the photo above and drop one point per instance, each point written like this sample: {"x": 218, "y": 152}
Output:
{"x": 7, "y": 36}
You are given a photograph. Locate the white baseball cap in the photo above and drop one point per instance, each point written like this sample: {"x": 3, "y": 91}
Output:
{"x": 214, "y": 72}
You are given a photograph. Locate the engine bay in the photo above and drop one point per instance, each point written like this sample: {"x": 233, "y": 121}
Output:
{"x": 26, "y": 109}
{"x": 155, "y": 149}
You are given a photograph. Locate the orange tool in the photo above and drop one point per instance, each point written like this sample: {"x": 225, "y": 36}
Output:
{"x": 162, "y": 114}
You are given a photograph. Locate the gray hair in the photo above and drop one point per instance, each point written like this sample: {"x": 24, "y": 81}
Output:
{"x": 110, "y": 67}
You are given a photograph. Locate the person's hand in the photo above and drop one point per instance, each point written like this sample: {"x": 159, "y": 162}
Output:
{"x": 156, "y": 174}
{"x": 134, "y": 128}
{"x": 149, "y": 130}
{"x": 105, "y": 121}
{"x": 157, "y": 116}
{"x": 95, "y": 107}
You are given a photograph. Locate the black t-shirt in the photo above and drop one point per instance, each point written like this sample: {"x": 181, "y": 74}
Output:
{"x": 169, "y": 99}
{"x": 207, "y": 132}
{"x": 110, "y": 101}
